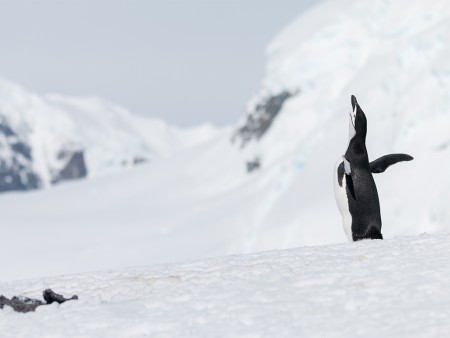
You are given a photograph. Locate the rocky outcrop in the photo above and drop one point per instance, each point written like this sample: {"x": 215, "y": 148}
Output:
{"x": 253, "y": 165}
{"x": 49, "y": 139}
{"x": 261, "y": 116}
{"x": 17, "y": 171}
{"x": 25, "y": 304}
{"x": 16, "y": 163}
{"x": 74, "y": 168}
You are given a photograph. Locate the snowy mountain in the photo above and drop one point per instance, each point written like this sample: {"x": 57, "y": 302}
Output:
{"x": 393, "y": 56}
{"x": 204, "y": 195}
{"x": 393, "y": 288}
{"x": 52, "y": 138}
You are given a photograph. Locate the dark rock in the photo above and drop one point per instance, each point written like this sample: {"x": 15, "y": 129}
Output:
{"x": 25, "y": 304}
{"x": 16, "y": 170}
{"x": 17, "y": 177}
{"x": 74, "y": 168}
{"x": 16, "y": 162}
{"x": 20, "y": 304}
{"x": 23, "y": 149}
{"x": 51, "y": 297}
{"x": 5, "y": 129}
{"x": 261, "y": 117}
{"x": 17, "y": 165}
{"x": 139, "y": 160}
{"x": 253, "y": 165}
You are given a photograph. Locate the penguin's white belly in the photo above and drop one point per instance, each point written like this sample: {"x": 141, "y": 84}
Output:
{"x": 340, "y": 193}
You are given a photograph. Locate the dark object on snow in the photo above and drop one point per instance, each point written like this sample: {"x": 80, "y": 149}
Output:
{"x": 260, "y": 118}
{"x": 20, "y": 304}
{"x": 25, "y": 304}
{"x": 74, "y": 168}
{"x": 17, "y": 163}
{"x": 253, "y": 165}
{"x": 51, "y": 297}
{"x": 16, "y": 169}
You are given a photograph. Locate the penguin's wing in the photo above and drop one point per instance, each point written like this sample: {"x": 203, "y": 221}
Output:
{"x": 382, "y": 163}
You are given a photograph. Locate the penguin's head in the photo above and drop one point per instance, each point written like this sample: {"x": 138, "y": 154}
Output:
{"x": 358, "y": 121}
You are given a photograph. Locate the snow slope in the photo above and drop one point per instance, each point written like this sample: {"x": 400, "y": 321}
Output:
{"x": 167, "y": 210}
{"x": 392, "y": 288}
{"x": 394, "y": 57}
{"x": 198, "y": 201}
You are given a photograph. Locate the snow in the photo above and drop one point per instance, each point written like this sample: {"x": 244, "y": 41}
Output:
{"x": 391, "y": 288}
{"x": 391, "y": 55}
{"x": 155, "y": 213}
{"x": 110, "y": 136}
{"x": 195, "y": 199}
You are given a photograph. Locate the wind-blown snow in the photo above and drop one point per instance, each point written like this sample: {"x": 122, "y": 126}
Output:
{"x": 392, "y": 288}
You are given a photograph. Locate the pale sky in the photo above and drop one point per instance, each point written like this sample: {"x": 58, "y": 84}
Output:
{"x": 185, "y": 61}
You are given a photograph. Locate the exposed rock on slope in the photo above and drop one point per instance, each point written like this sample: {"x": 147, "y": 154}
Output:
{"x": 47, "y": 139}
{"x": 16, "y": 162}
{"x": 260, "y": 117}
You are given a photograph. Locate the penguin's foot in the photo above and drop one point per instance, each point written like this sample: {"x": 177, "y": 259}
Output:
{"x": 371, "y": 233}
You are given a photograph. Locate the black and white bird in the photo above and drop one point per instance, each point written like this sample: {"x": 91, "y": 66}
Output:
{"x": 354, "y": 187}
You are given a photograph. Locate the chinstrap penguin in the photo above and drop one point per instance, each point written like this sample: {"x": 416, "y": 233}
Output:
{"x": 355, "y": 190}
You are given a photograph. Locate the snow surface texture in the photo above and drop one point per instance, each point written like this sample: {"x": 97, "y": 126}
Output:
{"x": 393, "y": 288}
{"x": 200, "y": 201}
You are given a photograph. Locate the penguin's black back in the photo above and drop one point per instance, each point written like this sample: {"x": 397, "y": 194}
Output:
{"x": 364, "y": 205}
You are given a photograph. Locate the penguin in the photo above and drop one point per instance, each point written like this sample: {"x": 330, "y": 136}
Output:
{"x": 355, "y": 190}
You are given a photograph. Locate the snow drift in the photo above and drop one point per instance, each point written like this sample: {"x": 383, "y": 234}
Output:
{"x": 393, "y": 288}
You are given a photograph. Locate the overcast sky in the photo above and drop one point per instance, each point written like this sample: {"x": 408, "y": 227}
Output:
{"x": 186, "y": 61}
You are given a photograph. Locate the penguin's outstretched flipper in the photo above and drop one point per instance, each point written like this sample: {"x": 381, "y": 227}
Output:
{"x": 381, "y": 164}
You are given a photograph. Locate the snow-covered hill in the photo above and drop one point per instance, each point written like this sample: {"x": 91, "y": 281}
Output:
{"x": 202, "y": 202}
{"x": 393, "y": 288}
{"x": 393, "y": 55}
{"x": 52, "y": 138}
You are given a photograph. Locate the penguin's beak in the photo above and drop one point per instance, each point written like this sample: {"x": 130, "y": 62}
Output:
{"x": 354, "y": 110}
{"x": 352, "y": 120}
{"x": 354, "y": 102}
